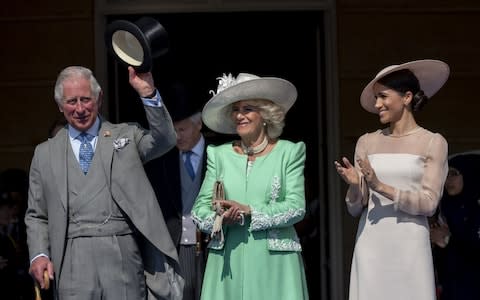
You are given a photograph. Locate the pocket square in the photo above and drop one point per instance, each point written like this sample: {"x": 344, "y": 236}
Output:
{"x": 120, "y": 143}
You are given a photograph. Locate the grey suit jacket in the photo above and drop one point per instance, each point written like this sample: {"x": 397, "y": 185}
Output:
{"x": 46, "y": 217}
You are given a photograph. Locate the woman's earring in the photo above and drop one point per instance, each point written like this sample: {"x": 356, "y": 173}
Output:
{"x": 264, "y": 124}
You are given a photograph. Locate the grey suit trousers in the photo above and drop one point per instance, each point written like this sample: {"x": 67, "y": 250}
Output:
{"x": 107, "y": 268}
{"x": 192, "y": 265}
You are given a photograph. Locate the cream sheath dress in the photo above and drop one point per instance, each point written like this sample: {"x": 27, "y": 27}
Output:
{"x": 392, "y": 257}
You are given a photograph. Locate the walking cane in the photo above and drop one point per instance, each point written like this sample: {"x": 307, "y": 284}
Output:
{"x": 38, "y": 296}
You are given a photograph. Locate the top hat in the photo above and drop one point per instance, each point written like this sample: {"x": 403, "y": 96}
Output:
{"x": 180, "y": 101}
{"x": 136, "y": 44}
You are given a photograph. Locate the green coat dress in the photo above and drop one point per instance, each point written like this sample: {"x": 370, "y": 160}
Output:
{"x": 261, "y": 259}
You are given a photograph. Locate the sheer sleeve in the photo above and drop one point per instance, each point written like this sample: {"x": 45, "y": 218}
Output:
{"x": 357, "y": 196}
{"x": 425, "y": 200}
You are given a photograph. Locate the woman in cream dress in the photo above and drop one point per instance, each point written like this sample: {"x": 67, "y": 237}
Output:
{"x": 396, "y": 183}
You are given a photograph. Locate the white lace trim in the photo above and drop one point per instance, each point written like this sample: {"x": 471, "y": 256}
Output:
{"x": 205, "y": 225}
{"x": 275, "y": 243}
{"x": 275, "y": 193}
{"x": 262, "y": 221}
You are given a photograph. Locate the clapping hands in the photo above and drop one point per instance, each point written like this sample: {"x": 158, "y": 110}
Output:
{"x": 347, "y": 171}
{"x": 351, "y": 176}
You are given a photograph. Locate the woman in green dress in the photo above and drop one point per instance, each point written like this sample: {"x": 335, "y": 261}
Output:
{"x": 255, "y": 252}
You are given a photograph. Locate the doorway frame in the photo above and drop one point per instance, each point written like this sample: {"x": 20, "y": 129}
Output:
{"x": 332, "y": 279}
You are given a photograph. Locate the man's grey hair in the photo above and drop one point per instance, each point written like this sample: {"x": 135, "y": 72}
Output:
{"x": 196, "y": 117}
{"x": 75, "y": 72}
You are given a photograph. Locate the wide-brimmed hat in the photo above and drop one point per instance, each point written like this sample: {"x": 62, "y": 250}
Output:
{"x": 431, "y": 75}
{"x": 216, "y": 113}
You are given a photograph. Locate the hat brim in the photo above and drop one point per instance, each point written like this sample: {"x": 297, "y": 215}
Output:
{"x": 139, "y": 55}
{"x": 431, "y": 74}
{"x": 216, "y": 113}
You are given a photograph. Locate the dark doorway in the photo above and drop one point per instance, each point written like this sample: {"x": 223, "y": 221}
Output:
{"x": 280, "y": 44}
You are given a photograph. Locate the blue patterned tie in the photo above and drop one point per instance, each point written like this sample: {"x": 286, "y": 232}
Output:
{"x": 86, "y": 151}
{"x": 188, "y": 164}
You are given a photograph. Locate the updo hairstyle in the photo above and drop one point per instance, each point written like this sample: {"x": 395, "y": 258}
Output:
{"x": 403, "y": 81}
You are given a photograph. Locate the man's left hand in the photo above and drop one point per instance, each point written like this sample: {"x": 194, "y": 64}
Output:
{"x": 141, "y": 82}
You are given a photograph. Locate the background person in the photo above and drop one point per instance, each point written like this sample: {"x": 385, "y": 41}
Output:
{"x": 456, "y": 233}
{"x": 10, "y": 287}
{"x": 14, "y": 187}
{"x": 396, "y": 183}
{"x": 92, "y": 213}
{"x": 176, "y": 178}
{"x": 260, "y": 256}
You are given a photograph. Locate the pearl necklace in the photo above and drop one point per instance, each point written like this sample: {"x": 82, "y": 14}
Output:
{"x": 256, "y": 149}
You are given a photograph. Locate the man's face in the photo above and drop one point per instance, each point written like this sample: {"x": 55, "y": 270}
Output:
{"x": 79, "y": 106}
{"x": 188, "y": 134}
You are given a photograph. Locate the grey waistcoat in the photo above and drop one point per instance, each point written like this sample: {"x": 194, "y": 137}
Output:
{"x": 92, "y": 210}
{"x": 189, "y": 194}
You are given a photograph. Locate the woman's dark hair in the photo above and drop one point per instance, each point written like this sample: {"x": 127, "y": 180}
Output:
{"x": 468, "y": 165}
{"x": 467, "y": 200}
{"x": 403, "y": 81}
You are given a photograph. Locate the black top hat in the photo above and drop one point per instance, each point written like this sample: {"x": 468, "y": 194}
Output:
{"x": 136, "y": 44}
{"x": 179, "y": 99}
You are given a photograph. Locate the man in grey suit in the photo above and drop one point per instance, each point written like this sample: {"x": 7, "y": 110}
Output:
{"x": 93, "y": 221}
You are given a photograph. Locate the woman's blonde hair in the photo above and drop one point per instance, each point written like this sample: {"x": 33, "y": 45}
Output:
{"x": 273, "y": 116}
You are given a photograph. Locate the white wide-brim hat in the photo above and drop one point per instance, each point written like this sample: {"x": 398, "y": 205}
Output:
{"x": 431, "y": 74}
{"x": 216, "y": 112}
